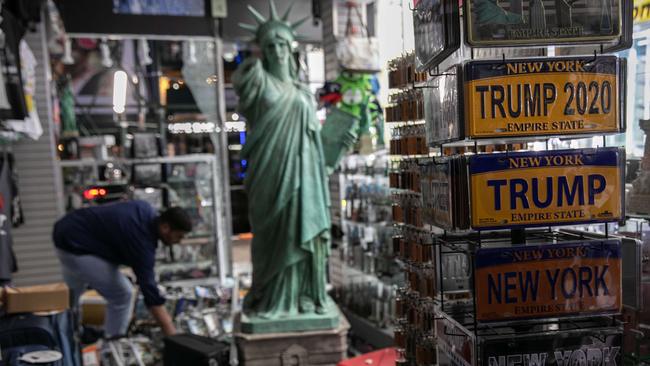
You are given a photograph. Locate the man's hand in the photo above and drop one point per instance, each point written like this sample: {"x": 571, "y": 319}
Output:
{"x": 164, "y": 320}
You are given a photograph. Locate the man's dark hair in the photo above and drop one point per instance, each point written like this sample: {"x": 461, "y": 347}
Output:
{"x": 177, "y": 219}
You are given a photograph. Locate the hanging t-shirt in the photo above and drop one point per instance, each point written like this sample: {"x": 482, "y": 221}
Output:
{"x": 7, "y": 257}
{"x": 10, "y": 62}
{"x": 30, "y": 126}
{"x": 4, "y": 102}
{"x": 17, "y": 215}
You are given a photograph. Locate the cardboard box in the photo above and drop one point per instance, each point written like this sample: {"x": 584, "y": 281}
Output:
{"x": 90, "y": 355}
{"x": 93, "y": 308}
{"x": 31, "y": 299}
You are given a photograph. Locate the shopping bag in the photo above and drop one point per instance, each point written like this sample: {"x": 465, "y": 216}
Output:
{"x": 358, "y": 52}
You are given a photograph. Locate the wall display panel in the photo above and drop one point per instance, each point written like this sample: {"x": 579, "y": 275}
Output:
{"x": 553, "y": 280}
{"x": 523, "y": 189}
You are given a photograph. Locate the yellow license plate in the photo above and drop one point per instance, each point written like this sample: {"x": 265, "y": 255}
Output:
{"x": 523, "y": 189}
{"x": 548, "y": 280}
{"x": 543, "y": 97}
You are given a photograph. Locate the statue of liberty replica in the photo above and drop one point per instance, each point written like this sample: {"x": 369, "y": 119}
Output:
{"x": 287, "y": 187}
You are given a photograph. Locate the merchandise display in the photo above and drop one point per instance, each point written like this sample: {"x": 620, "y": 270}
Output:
{"x": 534, "y": 22}
{"x": 406, "y": 106}
{"x": 402, "y": 73}
{"x": 409, "y": 140}
{"x": 491, "y": 208}
{"x": 436, "y": 25}
{"x": 495, "y": 238}
{"x": 503, "y": 190}
{"x": 104, "y": 155}
{"x": 365, "y": 251}
{"x": 414, "y": 330}
{"x": 441, "y": 182}
{"x": 442, "y": 94}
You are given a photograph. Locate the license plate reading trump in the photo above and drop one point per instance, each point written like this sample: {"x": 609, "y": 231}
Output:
{"x": 548, "y": 280}
{"x": 546, "y": 188}
{"x": 542, "y": 97}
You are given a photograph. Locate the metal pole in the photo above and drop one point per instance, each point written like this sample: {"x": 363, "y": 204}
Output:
{"x": 221, "y": 180}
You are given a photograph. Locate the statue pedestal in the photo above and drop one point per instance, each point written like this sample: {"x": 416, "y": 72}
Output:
{"x": 298, "y": 323}
{"x": 307, "y": 348}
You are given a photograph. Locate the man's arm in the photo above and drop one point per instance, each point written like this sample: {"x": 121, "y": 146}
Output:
{"x": 163, "y": 319}
{"x": 142, "y": 263}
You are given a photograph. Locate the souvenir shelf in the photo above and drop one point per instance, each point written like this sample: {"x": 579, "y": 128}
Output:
{"x": 362, "y": 261}
{"x": 493, "y": 274}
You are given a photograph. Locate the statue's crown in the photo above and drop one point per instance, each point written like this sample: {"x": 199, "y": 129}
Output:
{"x": 264, "y": 26}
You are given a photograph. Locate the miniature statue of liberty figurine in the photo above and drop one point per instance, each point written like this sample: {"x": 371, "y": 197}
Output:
{"x": 287, "y": 187}
{"x": 488, "y": 12}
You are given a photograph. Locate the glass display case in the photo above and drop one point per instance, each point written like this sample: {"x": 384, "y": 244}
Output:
{"x": 187, "y": 181}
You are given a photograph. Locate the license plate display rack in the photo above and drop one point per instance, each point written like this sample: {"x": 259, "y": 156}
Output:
{"x": 494, "y": 274}
{"x": 460, "y": 337}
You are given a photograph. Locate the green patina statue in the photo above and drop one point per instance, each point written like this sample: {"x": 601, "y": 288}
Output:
{"x": 287, "y": 187}
{"x": 489, "y": 12}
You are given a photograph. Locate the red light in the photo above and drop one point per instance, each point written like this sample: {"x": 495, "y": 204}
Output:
{"x": 93, "y": 193}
